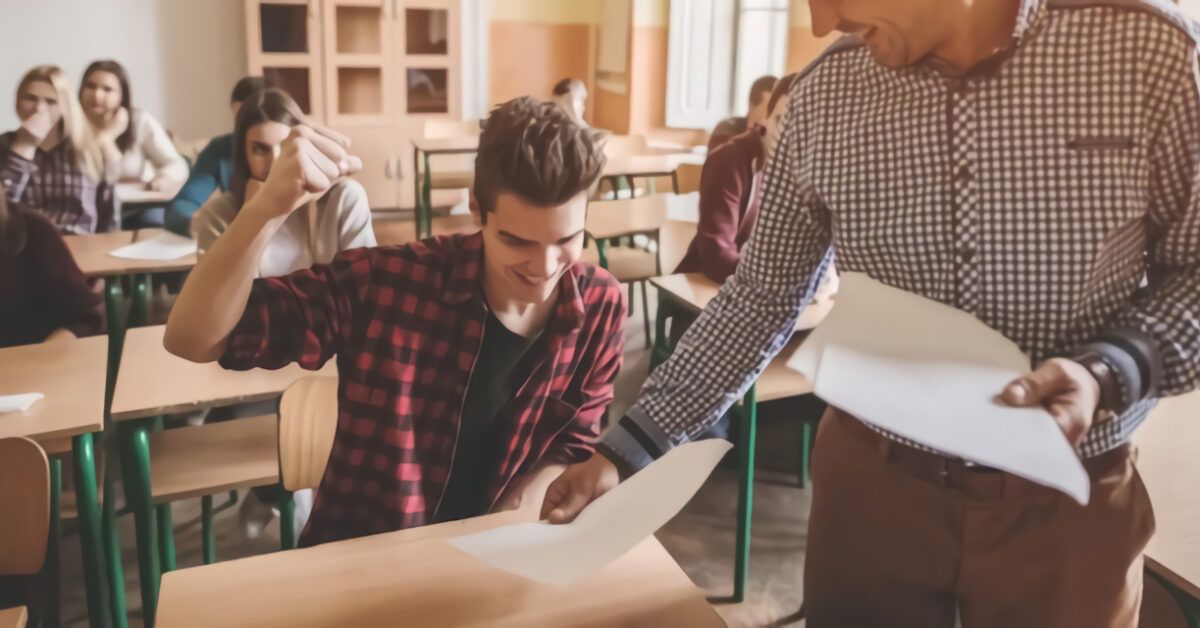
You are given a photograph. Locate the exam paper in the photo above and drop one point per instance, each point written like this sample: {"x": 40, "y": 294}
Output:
{"x": 932, "y": 373}
{"x": 162, "y": 247}
{"x": 605, "y": 530}
{"x": 19, "y": 403}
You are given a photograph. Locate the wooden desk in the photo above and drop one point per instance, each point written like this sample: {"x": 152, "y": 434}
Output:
{"x": 693, "y": 291}
{"x": 71, "y": 373}
{"x": 415, "y": 578}
{"x": 648, "y": 166}
{"x": 13, "y": 617}
{"x": 91, "y": 253}
{"x": 423, "y": 149}
{"x": 635, "y": 216}
{"x": 152, "y": 382}
{"x": 136, "y": 193}
{"x": 1169, "y": 463}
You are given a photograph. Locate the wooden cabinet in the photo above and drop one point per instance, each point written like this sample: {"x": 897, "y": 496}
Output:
{"x": 375, "y": 70}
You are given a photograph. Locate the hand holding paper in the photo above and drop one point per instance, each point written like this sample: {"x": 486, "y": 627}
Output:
{"x": 934, "y": 374}
{"x": 605, "y": 530}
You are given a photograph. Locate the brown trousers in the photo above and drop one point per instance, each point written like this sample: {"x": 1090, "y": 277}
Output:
{"x": 901, "y": 538}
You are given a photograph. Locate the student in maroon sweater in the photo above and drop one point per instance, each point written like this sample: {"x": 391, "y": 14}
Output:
{"x": 730, "y": 192}
{"x": 42, "y": 291}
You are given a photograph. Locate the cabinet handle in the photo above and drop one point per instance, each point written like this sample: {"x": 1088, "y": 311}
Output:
{"x": 388, "y": 172}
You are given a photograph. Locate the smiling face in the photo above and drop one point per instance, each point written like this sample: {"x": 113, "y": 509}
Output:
{"x": 527, "y": 248}
{"x": 897, "y": 32}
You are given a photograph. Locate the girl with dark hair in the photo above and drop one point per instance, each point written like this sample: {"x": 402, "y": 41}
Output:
{"x": 42, "y": 291}
{"x": 147, "y": 153}
{"x": 338, "y": 220}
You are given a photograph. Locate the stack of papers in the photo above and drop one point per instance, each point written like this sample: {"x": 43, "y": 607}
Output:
{"x": 933, "y": 374}
{"x": 608, "y": 528}
{"x": 162, "y": 247}
{"x": 19, "y": 403}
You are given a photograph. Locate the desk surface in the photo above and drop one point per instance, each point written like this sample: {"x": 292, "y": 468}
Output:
{"x": 70, "y": 372}
{"x": 91, "y": 253}
{"x": 447, "y": 145}
{"x": 644, "y": 214}
{"x": 1169, "y": 463}
{"x": 647, "y": 165}
{"x": 152, "y": 381}
{"x": 138, "y": 194}
{"x": 694, "y": 290}
{"x": 415, "y": 578}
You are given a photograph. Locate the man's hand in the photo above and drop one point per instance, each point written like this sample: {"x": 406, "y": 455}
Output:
{"x": 527, "y": 491}
{"x": 309, "y": 163}
{"x": 1065, "y": 389}
{"x": 577, "y": 487}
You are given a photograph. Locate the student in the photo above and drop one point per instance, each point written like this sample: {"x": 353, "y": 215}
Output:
{"x": 571, "y": 94}
{"x": 147, "y": 153}
{"x": 471, "y": 367}
{"x": 212, "y": 168}
{"x": 53, "y": 163}
{"x": 338, "y": 220}
{"x": 727, "y": 129}
{"x": 731, "y": 190}
{"x": 43, "y": 294}
{"x": 1032, "y": 163}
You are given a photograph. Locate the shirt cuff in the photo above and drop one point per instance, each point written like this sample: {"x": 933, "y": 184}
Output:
{"x": 1133, "y": 359}
{"x": 634, "y": 442}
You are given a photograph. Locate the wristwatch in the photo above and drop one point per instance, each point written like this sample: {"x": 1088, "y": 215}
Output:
{"x": 1112, "y": 400}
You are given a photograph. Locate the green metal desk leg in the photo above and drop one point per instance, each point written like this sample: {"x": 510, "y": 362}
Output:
{"x": 166, "y": 527}
{"x": 741, "y": 565}
{"x": 206, "y": 525}
{"x": 116, "y": 332}
{"x": 425, "y": 227}
{"x": 139, "y": 495}
{"x": 88, "y": 505}
{"x": 112, "y": 544}
{"x": 287, "y": 523}
{"x": 51, "y": 569}
{"x": 139, "y": 314}
{"x": 807, "y": 431}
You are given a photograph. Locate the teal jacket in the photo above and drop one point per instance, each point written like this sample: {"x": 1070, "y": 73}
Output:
{"x": 214, "y": 166}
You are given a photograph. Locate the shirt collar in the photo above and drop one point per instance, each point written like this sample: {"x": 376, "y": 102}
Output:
{"x": 467, "y": 274}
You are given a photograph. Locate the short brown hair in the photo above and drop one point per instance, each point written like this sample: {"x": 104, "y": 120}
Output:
{"x": 761, "y": 88}
{"x": 535, "y": 150}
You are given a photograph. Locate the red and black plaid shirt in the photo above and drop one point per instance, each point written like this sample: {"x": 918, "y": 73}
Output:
{"x": 405, "y": 324}
{"x": 54, "y": 185}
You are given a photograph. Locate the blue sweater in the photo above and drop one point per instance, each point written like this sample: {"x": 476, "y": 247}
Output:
{"x": 214, "y": 165}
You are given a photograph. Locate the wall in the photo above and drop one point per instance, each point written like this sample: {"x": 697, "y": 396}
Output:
{"x": 183, "y": 56}
{"x": 535, "y": 43}
{"x": 803, "y": 46}
{"x": 648, "y": 65}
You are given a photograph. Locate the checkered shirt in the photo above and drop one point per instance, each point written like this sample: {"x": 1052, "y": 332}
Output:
{"x": 54, "y": 185}
{"x": 406, "y": 325}
{"x": 1053, "y": 192}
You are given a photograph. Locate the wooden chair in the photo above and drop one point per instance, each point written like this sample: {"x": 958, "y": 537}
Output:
{"x": 687, "y": 177}
{"x": 307, "y": 425}
{"x": 25, "y": 515}
{"x": 619, "y": 147}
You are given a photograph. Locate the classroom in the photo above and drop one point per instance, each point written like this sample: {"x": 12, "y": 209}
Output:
{"x": 600, "y": 313}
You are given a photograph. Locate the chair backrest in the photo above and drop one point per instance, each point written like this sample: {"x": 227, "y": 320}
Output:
{"x": 688, "y": 177}
{"x": 437, "y": 129}
{"x": 617, "y": 146}
{"x": 307, "y": 424}
{"x": 24, "y": 506}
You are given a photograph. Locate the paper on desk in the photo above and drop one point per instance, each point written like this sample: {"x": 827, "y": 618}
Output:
{"x": 163, "y": 246}
{"x": 605, "y": 530}
{"x": 19, "y": 403}
{"x": 932, "y": 373}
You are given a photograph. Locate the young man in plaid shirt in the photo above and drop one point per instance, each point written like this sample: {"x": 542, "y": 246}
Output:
{"x": 471, "y": 368}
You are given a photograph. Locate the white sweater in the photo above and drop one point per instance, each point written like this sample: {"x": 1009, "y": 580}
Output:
{"x": 342, "y": 221}
{"x": 152, "y": 154}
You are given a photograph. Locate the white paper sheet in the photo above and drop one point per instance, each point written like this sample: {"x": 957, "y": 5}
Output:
{"x": 163, "y": 246}
{"x": 19, "y": 403}
{"x": 932, "y": 373}
{"x": 605, "y": 530}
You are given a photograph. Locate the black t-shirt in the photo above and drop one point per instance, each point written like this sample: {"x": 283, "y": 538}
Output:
{"x": 498, "y": 373}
